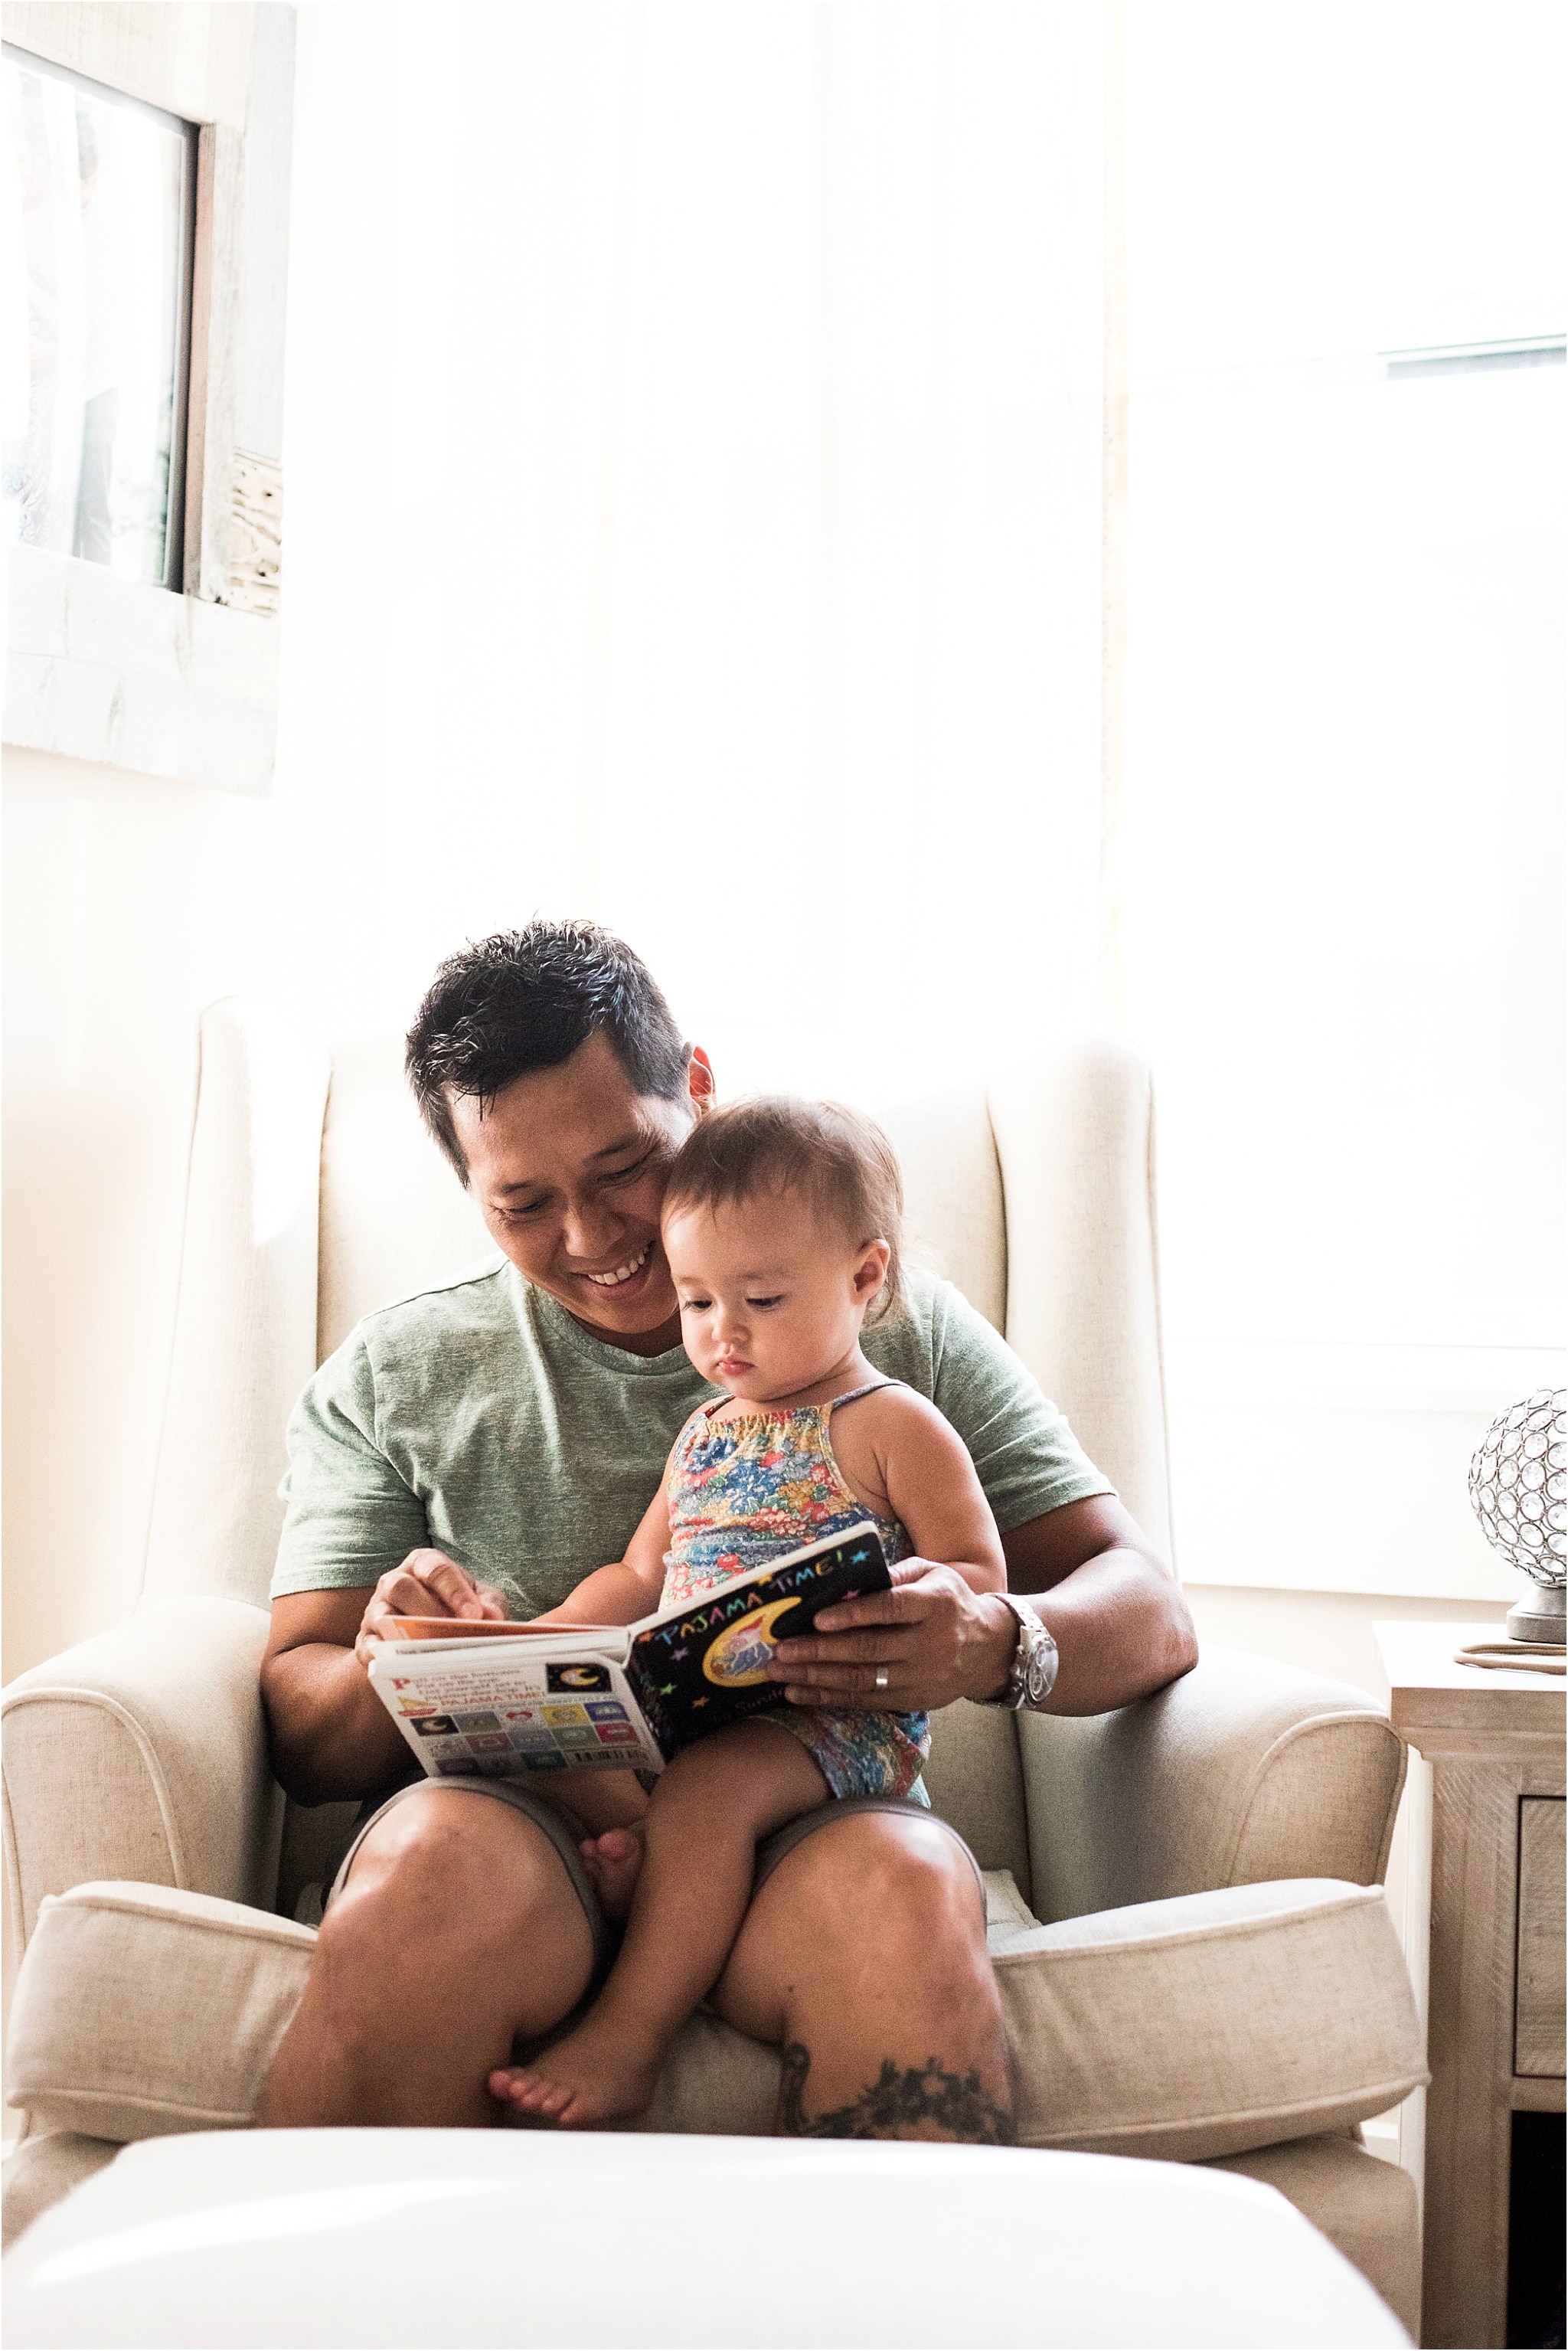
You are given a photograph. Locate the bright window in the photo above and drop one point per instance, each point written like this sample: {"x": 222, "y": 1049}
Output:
{"x": 1344, "y": 830}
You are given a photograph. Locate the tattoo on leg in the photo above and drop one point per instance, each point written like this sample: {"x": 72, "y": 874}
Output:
{"x": 899, "y": 2100}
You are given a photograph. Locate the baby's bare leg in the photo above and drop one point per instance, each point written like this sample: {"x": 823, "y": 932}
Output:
{"x": 601, "y": 1800}
{"x": 610, "y": 1805}
{"x": 703, "y": 1825}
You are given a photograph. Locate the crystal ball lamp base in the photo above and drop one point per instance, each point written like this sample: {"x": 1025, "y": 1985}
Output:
{"x": 1539, "y": 1618}
{"x": 1519, "y": 1487}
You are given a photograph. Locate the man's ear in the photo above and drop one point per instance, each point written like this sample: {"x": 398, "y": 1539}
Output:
{"x": 871, "y": 1271}
{"x": 700, "y": 1082}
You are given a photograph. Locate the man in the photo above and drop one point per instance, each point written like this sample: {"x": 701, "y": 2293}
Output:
{"x": 476, "y": 1450}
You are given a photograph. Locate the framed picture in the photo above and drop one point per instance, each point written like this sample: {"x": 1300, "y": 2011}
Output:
{"x": 145, "y": 267}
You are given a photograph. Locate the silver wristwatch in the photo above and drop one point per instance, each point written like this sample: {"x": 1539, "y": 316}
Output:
{"x": 1031, "y": 1676}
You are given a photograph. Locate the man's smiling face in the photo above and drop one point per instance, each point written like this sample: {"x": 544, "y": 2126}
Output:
{"x": 568, "y": 1167}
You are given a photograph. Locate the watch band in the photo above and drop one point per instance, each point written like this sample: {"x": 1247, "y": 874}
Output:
{"x": 1031, "y": 1676}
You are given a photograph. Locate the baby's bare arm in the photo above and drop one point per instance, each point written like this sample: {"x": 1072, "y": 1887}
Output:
{"x": 897, "y": 1442}
{"x": 646, "y": 1552}
{"x": 610, "y": 1595}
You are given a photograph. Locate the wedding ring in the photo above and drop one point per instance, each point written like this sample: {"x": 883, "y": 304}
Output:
{"x": 880, "y": 1678}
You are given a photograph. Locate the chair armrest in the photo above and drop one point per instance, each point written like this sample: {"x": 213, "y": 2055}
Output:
{"x": 1242, "y": 1771}
{"x": 143, "y": 1754}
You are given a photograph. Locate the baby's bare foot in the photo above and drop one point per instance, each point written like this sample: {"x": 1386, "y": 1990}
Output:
{"x": 614, "y": 1864}
{"x": 596, "y": 2074}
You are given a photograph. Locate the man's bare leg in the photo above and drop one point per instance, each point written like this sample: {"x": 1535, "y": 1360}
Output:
{"x": 864, "y": 1960}
{"x": 457, "y": 1930}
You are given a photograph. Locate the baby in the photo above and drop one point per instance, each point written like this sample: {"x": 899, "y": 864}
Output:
{"x": 781, "y": 1226}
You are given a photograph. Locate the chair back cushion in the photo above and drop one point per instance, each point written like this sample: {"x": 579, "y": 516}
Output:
{"x": 955, "y": 1220}
{"x": 1075, "y": 1140}
{"x": 395, "y": 1217}
{"x": 1034, "y": 1194}
{"x": 244, "y": 1325}
{"x": 974, "y": 1781}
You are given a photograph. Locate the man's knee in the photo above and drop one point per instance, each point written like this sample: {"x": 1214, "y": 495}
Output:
{"x": 458, "y": 1914}
{"x": 441, "y": 1866}
{"x": 885, "y": 1881}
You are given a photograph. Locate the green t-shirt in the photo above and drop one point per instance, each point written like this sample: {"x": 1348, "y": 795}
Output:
{"x": 479, "y": 1418}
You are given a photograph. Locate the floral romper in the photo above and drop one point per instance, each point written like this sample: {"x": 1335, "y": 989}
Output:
{"x": 747, "y": 1490}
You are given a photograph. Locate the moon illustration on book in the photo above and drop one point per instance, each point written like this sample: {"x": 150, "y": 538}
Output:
{"x": 577, "y": 1677}
{"x": 742, "y": 1650}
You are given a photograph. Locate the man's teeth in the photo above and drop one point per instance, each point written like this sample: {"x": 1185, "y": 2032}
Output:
{"x": 622, "y": 1273}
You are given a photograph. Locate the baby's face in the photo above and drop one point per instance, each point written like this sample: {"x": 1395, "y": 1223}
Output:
{"x": 771, "y": 1297}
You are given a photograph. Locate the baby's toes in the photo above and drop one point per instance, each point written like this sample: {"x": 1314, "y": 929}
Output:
{"x": 519, "y": 2088}
{"x": 537, "y": 2096}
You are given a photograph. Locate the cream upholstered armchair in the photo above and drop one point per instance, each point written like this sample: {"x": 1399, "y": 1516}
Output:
{"x": 1184, "y": 1905}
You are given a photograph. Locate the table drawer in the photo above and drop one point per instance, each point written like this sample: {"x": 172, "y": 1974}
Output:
{"x": 1538, "y": 2013}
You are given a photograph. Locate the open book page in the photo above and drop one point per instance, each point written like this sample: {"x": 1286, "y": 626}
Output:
{"x": 515, "y": 1708}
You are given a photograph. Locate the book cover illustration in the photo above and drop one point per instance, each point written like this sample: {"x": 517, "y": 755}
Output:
{"x": 503, "y": 1699}
{"x": 707, "y": 1665}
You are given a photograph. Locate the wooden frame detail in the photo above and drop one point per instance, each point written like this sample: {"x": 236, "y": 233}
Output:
{"x": 215, "y": 303}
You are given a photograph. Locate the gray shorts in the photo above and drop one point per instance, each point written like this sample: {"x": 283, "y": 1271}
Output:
{"x": 565, "y": 1834}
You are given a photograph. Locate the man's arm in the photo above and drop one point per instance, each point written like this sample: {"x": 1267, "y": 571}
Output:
{"x": 1121, "y": 1626}
{"x": 331, "y": 1737}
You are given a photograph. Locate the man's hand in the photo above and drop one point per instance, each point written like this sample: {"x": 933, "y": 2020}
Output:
{"x": 1093, "y": 1579}
{"x": 427, "y": 1583}
{"x": 936, "y": 1639}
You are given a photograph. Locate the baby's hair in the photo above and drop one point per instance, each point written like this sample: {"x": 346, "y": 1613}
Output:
{"x": 776, "y": 1143}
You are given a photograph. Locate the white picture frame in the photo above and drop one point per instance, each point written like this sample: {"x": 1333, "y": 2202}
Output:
{"x": 99, "y": 668}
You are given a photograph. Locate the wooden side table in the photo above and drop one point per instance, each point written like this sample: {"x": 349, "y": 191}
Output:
{"x": 1494, "y": 1742}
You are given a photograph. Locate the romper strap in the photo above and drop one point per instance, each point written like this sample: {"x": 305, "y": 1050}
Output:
{"x": 867, "y": 1387}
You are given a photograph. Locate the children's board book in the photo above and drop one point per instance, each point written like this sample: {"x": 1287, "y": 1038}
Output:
{"x": 503, "y": 1699}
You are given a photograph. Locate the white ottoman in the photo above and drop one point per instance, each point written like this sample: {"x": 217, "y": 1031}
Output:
{"x": 481, "y": 2238}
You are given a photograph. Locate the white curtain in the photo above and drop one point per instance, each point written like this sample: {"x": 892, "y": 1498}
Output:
{"x": 1343, "y": 821}
{"x": 693, "y": 491}
{"x": 694, "y": 518}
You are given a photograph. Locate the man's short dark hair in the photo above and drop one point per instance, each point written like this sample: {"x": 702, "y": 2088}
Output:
{"x": 526, "y": 1000}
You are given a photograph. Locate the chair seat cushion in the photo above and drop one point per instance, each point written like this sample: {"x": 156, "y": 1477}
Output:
{"x": 1194, "y": 2028}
